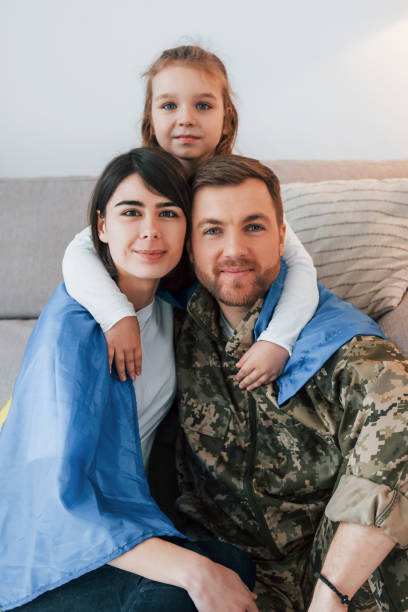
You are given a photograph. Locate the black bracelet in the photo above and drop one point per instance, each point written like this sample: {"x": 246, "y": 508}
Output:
{"x": 343, "y": 598}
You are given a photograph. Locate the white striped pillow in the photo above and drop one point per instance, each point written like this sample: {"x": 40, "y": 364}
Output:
{"x": 357, "y": 234}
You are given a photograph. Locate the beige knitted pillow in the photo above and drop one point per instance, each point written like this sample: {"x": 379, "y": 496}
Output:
{"x": 357, "y": 234}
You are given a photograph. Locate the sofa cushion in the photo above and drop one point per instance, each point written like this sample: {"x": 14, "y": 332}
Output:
{"x": 356, "y": 232}
{"x": 38, "y": 217}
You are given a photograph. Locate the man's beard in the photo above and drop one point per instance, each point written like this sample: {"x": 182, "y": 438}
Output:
{"x": 238, "y": 292}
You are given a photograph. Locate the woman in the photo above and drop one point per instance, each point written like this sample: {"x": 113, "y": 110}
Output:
{"x": 76, "y": 515}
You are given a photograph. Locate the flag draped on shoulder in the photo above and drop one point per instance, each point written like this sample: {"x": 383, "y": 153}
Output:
{"x": 73, "y": 491}
{"x": 334, "y": 323}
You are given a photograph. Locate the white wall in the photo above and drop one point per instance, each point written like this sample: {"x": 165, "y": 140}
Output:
{"x": 315, "y": 79}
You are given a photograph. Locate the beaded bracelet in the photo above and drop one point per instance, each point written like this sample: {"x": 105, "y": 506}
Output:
{"x": 343, "y": 598}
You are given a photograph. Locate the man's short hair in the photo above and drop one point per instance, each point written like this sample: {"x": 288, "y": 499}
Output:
{"x": 233, "y": 170}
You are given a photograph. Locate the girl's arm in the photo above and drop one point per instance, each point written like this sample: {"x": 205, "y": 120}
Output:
{"x": 89, "y": 283}
{"x": 299, "y": 298}
{"x": 211, "y": 586}
{"x": 267, "y": 357}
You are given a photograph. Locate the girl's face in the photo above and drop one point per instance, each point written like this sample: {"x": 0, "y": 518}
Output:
{"x": 144, "y": 230}
{"x": 187, "y": 113}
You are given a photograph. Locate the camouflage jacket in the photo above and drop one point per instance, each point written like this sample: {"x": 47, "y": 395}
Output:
{"x": 262, "y": 475}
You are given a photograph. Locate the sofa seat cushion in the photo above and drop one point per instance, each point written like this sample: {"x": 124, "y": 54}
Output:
{"x": 14, "y": 334}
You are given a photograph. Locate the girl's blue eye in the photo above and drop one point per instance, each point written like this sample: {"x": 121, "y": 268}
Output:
{"x": 212, "y": 231}
{"x": 202, "y": 106}
{"x": 169, "y": 106}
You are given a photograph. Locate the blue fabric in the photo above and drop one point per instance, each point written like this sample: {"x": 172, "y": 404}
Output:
{"x": 73, "y": 491}
{"x": 334, "y": 323}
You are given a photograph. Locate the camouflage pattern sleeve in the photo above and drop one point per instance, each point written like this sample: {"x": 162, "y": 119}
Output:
{"x": 371, "y": 382}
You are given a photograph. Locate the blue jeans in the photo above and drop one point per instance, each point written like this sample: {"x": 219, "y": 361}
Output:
{"x": 109, "y": 589}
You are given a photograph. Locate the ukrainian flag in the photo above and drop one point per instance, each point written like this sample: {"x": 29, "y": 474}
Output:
{"x": 74, "y": 494}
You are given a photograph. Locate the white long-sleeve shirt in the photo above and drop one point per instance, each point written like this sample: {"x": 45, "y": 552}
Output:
{"x": 89, "y": 283}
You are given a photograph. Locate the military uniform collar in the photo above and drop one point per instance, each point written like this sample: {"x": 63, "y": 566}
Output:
{"x": 205, "y": 311}
{"x": 203, "y": 308}
{"x": 243, "y": 337}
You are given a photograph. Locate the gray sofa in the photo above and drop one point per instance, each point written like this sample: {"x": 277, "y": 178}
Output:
{"x": 39, "y": 216}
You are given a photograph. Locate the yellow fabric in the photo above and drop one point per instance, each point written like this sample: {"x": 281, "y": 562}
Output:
{"x": 4, "y": 412}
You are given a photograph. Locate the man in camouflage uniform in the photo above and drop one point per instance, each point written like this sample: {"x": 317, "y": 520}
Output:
{"x": 274, "y": 479}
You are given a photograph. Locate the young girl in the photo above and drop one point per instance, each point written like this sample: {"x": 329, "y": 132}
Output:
{"x": 189, "y": 113}
{"x": 79, "y": 529}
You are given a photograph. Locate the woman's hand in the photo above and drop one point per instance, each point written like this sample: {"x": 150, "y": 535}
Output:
{"x": 261, "y": 364}
{"x": 124, "y": 345}
{"x": 219, "y": 589}
{"x": 211, "y": 586}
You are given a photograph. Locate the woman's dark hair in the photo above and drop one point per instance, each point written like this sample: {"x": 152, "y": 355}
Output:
{"x": 161, "y": 173}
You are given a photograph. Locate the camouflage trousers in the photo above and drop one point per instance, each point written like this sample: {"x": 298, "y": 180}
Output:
{"x": 287, "y": 586}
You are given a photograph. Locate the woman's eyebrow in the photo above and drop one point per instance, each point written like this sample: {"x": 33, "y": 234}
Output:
{"x": 129, "y": 203}
{"x": 167, "y": 204}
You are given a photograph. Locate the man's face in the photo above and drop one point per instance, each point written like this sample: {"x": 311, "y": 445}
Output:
{"x": 236, "y": 243}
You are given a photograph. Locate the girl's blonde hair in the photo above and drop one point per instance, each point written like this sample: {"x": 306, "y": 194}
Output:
{"x": 192, "y": 56}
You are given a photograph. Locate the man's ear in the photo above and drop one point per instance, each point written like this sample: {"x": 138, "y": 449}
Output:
{"x": 282, "y": 234}
{"x": 101, "y": 228}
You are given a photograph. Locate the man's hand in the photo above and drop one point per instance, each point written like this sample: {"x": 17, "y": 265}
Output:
{"x": 221, "y": 590}
{"x": 261, "y": 364}
{"x": 124, "y": 345}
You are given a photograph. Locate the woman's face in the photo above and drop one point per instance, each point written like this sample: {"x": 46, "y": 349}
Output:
{"x": 144, "y": 230}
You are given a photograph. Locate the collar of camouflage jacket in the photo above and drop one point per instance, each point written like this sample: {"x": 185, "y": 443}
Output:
{"x": 334, "y": 323}
{"x": 206, "y": 312}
